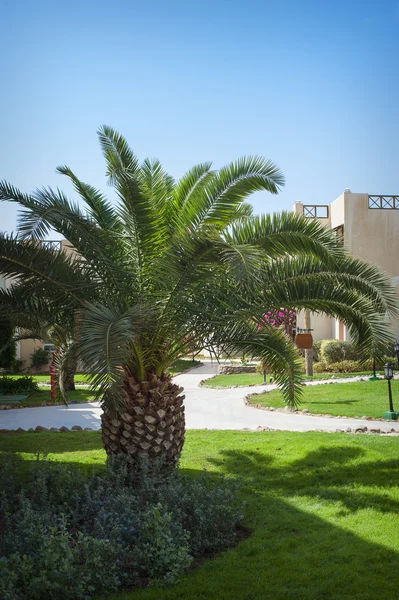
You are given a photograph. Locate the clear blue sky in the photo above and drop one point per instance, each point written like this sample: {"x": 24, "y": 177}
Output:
{"x": 312, "y": 85}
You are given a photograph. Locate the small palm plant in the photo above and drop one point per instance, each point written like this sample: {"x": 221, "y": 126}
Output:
{"x": 172, "y": 261}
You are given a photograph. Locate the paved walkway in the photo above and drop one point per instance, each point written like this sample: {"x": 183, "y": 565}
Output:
{"x": 206, "y": 408}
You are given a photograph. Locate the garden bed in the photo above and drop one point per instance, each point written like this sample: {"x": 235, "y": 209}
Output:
{"x": 307, "y": 495}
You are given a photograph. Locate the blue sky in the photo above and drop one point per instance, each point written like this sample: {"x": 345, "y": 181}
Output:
{"x": 312, "y": 85}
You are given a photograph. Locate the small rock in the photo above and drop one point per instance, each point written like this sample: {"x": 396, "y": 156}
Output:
{"x": 63, "y": 428}
{"x": 375, "y": 430}
{"x": 20, "y": 430}
{"x": 40, "y": 428}
{"x": 54, "y": 429}
{"x": 364, "y": 418}
{"x": 288, "y": 409}
{"x": 348, "y": 430}
{"x": 361, "y": 430}
{"x": 305, "y": 410}
{"x": 87, "y": 429}
{"x": 30, "y": 430}
{"x": 76, "y": 428}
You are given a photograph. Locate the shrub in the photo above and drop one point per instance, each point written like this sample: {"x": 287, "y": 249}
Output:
{"x": 17, "y": 365}
{"x": 22, "y": 385}
{"x": 316, "y": 349}
{"x": 333, "y": 351}
{"x": 69, "y": 535}
{"x": 39, "y": 358}
{"x": 7, "y": 357}
{"x": 344, "y": 366}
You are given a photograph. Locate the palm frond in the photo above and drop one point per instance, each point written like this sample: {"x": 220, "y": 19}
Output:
{"x": 100, "y": 209}
{"x": 232, "y": 185}
{"x": 273, "y": 347}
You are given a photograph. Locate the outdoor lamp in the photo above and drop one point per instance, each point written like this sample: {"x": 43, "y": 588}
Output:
{"x": 388, "y": 371}
{"x": 396, "y": 350}
{"x": 388, "y": 374}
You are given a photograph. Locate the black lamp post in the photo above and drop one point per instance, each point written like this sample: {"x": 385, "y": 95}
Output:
{"x": 374, "y": 375}
{"x": 396, "y": 350}
{"x": 390, "y": 415}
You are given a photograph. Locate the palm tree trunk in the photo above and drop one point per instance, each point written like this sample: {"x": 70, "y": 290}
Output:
{"x": 153, "y": 424}
{"x": 69, "y": 375}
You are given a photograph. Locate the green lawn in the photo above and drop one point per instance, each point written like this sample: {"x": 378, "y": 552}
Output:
{"x": 45, "y": 377}
{"x": 38, "y": 398}
{"x": 179, "y": 366}
{"x": 182, "y": 364}
{"x": 355, "y": 399}
{"x": 245, "y": 379}
{"x": 323, "y": 509}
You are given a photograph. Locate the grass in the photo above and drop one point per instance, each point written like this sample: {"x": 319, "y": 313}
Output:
{"x": 179, "y": 366}
{"x": 323, "y": 509}
{"x": 182, "y": 364}
{"x": 45, "y": 377}
{"x": 43, "y": 396}
{"x": 355, "y": 399}
{"x": 245, "y": 379}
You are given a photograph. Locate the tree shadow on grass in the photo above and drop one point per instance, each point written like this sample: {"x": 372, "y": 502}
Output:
{"x": 299, "y": 553}
{"x": 317, "y": 402}
{"x": 330, "y": 474}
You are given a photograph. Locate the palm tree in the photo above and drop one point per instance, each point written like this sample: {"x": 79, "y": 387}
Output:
{"x": 176, "y": 261}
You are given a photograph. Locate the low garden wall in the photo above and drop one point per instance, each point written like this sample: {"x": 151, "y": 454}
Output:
{"x": 234, "y": 369}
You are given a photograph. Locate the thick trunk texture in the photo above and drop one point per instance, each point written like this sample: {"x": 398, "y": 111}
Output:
{"x": 69, "y": 376}
{"x": 153, "y": 425}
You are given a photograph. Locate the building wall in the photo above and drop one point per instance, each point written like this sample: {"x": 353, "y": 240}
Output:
{"x": 371, "y": 235}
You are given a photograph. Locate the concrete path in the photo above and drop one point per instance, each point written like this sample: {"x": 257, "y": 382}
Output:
{"x": 206, "y": 408}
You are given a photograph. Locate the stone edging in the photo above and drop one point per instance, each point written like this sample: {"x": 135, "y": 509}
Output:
{"x": 364, "y": 429}
{"x": 40, "y": 429}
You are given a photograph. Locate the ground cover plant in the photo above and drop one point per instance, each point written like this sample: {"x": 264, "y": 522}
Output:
{"x": 322, "y": 508}
{"x": 354, "y": 399}
{"x": 169, "y": 265}
{"x": 67, "y": 534}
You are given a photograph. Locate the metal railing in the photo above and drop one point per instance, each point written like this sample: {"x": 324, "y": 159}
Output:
{"x": 313, "y": 211}
{"x": 52, "y": 244}
{"x": 384, "y": 202}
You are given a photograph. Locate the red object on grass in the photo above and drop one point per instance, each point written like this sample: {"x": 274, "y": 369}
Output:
{"x": 52, "y": 382}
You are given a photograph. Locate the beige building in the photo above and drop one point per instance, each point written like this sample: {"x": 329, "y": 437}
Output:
{"x": 369, "y": 225}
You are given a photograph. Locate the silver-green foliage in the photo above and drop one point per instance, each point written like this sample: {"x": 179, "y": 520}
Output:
{"x": 66, "y": 534}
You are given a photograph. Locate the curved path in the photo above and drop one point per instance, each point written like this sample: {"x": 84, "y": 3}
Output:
{"x": 206, "y": 408}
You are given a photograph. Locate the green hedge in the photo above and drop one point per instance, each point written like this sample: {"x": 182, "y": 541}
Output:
{"x": 22, "y": 385}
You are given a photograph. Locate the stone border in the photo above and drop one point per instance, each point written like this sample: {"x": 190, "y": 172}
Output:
{"x": 349, "y": 430}
{"x": 287, "y": 409}
{"x": 40, "y": 429}
{"x": 202, "y": 384}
